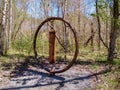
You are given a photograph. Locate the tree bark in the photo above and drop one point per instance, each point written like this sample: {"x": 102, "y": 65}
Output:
{"x": 2, "y": 27}
{"x": 106, "y": 30}
{"x": 100, "y": 39}
{"x": 114, "y": 30}
{"x": 10, "y": 30}
{"x": 6, "y": 44}
{"x": 99, "y": 25}
{"x": 92, "y": 41}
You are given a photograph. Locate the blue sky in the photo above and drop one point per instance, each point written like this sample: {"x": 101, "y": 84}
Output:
{"x": 35, "y": 7}
{"x": 90, "y": 7}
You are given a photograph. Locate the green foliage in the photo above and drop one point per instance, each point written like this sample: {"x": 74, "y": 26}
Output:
{"x": 23, "y": 45}
{"x": 117, "y": 63}
{"x": 110, "y": 81}
{"x": 103, "y": 7}
{"x": 42, "y": 44}
{"x": 118, "y": 22}
{"x": 95, "y": 66}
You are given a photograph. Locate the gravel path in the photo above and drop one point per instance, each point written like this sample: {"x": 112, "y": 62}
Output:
{"x": 32, "y": 78}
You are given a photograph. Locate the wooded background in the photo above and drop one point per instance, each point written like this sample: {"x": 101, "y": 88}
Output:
{"x": 96, "y": 22}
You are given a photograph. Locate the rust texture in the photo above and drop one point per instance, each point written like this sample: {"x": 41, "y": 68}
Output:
{"x": 75, "y": 38}
{"x": 52, "y": 46}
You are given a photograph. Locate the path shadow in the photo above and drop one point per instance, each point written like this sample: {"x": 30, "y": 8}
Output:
{"x": 61, "y": 81}
{"x": 42, "y": 79}
{"x": 11, "y": 60}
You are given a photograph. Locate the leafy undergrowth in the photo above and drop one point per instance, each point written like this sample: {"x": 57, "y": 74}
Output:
{"x": 109, "y": 81}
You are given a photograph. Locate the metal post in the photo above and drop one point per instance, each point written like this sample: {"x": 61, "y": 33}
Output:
{"x": 52, "y": 46}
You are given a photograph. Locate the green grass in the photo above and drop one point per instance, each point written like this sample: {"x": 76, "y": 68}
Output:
{"x": 110, "y": 81}
{"x": 95, "y": 66}
{"x": 5, "y": 62}
{"x": 8, "y": 62}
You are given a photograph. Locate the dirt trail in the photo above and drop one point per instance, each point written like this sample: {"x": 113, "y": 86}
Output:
{"x": 32, "y": 78}
{"x": 73, "y": 79}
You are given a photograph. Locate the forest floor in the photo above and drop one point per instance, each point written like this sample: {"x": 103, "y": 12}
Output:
{"x": 83, "y": 75}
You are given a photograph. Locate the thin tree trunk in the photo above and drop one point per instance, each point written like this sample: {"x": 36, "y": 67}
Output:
{"x": 99, "y": 25}
{"x": 6, "y": 34}
{"x": 106, "y": 30}
{"x": 2, "y": 28}
{"x": 18, "y": 29}
{"x": 92, "y": 41}
{"x": 114, "y": 29}
{"x": 79, "y": 19}
{"x": 65, "y": 33}
{"x": 89, "y": 39}
{"x": 84, "y": 34}
{"x": 10, "y": 30}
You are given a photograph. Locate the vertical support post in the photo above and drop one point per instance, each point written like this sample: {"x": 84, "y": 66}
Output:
{"x": 52, "y": 46}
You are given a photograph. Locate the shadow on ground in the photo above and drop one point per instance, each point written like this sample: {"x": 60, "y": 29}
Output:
{"x": 24, "y": 76}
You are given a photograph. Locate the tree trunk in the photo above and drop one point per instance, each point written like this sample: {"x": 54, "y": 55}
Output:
{"x": 106, "y": 30}
{"x": 92, "y": 41}
{"x": 10, "y": 30}
{"x": 114, "y": 29}
{"x": 84, "y": 35}
{"x": 99, "y": 25}
{"x": 6, "y": 44}
{"x": 2, "y": 27}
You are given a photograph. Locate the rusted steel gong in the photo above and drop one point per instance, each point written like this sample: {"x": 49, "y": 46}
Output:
{"x": 51, "y": 65}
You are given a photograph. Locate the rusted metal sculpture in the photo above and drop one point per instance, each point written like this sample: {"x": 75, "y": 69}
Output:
{"x": 52, "y": 64}
{"x": 52, "y": 46}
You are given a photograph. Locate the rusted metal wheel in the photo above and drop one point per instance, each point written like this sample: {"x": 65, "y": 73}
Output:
{"x": 43, "y": 30}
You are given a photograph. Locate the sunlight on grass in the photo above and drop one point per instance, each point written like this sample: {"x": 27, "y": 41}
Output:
{"x": 95, "y": 66}
{"x": 110, "y": 82}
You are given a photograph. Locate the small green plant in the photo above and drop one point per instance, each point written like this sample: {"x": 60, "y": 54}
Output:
{"x": 23, "y": 45}
{"x": 95, "y": 66}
